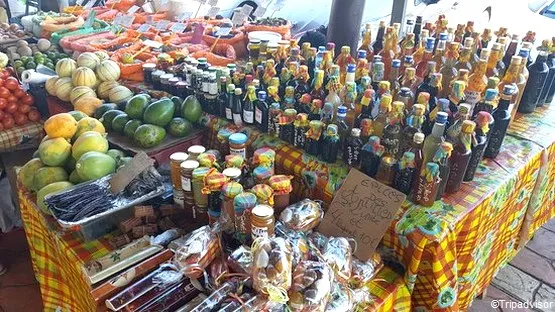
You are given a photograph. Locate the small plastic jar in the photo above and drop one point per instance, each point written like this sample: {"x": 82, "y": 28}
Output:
{"x": 195, "y": 150}
{"x": 238, "y": 144}
{"x": 148, "y": 69}
{"x": 262, "y": 222}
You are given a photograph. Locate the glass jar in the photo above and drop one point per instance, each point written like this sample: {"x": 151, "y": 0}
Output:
{"x": 148, "y": 69}
{"x": 156, "y": 83}
{"x": 233, "y": 174}
{"x": 281, "y": 184}
{"x": 261, "y": 174}
{"x": 200, "y": 213}
{"x": 223, "y": 140}
{"x": 237, "y": 144}
{"x": 176, "y": 159}
{"x": 195, "y": 150}
{"x": 187, "y": 167}
{"x": 262, "y": 222}
{"x": 254, "y": 50}
{"x": 242, "y": 206}
{"x": 172, "y": 86}
{"x": 181, "y": 89}
{"x": 229, "y": 191}
{"x": 165, "y": 82}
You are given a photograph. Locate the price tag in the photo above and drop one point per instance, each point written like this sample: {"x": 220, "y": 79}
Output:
{"x": 213, "y": 11}
{"x": 223, "y": 31}
{"x": 238, "y": 18}
{"x": 127, "y": 20}
{"x": 89, "y": 4}
{"x": 143, "y": 28}
{"x": 212, "y": 2}
{"x": 247, "y": 9}
{"x": 162, "y": 25}
{"x": 183, "y": 16}
{"x": 178, "y": 27}
{"x": 259, "y": 12}
{"x": 133, "y": 9}
{"x": 118, "y": 19}
{"x": 152, "y": 43}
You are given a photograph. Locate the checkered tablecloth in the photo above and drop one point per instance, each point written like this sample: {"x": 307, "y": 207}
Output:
{"x": 21, "y": 137}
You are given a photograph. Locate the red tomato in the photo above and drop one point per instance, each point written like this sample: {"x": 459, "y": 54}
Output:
{"x": 8, "y": 122}
{"x": 4, "y": 92}
{"x": 1, "y": 82}
{"x": 19, "y": 93}
{"x": 20, "y": 119}
{"x": 12, "y": 99}
{"x": 1, "y": 126}
{"x": 12, "y": 108}
{"x": 3, "y": 103}
{"x": 12, "y": 83}
{"x": 2, "y": 114}
{"x": 28, "y": 99}
{"x": 33, "y": 115}
{"x": 5, "y": 74}
{"x": 24, "y": 109}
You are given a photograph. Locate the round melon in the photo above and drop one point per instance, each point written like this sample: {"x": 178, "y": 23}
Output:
{"x": 83, "y": 76}
{"x": 95, "y": 165}
{"x": 77, "y": 115}
{"x": 108, "y": 70}
{"x": 120, "y": 94}
{"x": 89, "y": 124}
{"x": 27, "y": 172}
{"x": 47, "y": 175}
{"x": 104, "y": 89}
{"x": 102, "y": 55}
{"x": 55, "y": 152}
{"x": 65, "y": 67}
{"x": 51, "y": 188}
{"x": 88, "y": 59}
{"x": 87, "y": 105}
{"x": 89, "y": 141}
{"x": 63, "y": 88}
{"x": 50, "y": 85}
{"x": 81, "y": 92}
{"x": 61, "y": 125}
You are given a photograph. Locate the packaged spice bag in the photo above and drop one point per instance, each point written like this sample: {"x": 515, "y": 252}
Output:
{"x": 240, "y": 260}
{"x": 302, "y": 216}
{"x": 298, "y": 241}
{"x": 339, "y": 255}
{"x": 233, "y": 286}
{"x": 272, "y": 267}
{"x": 363, "y": 271}
{"x": 341, "y": 299}
{"x": 198, "y": 250}
{"x": 311, "y": 286}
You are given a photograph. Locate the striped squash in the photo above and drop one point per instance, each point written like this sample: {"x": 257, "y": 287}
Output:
{"x": 80, "y": 92}
{"x": 120, "y": 94}
{"x": 104, "y": 89}
{"x": 88, "y": 59}
{"x": 65, "y": 67}
{"x": 50, "y": 85}
{"x": 108, "y": 70}
{"x": 83, "y": 76}
{"x": 63, "y": 88}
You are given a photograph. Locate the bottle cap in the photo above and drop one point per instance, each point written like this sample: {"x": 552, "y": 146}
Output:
{"x": 386, "y": 100}
{"x": 464, "y": 108}
{"x": 321, "y": 49}
{"x": 230, "y": 87}
{"x": 238, "y": 138}
{"x": 468, "y": 42}
{"x": 468, "y": 126}
{"x": 328, "y": 108}
{"x": 238, "y": 91}
{"x": 330, "y": 46}
{"x": 179, "y": 156}
{"x": 418, "y": 109}
{"x": 410, "y": 22}
{"x": 190, "y": 164}
{"x": 491, "y": 94}
{"x": 396, "y": 63}
{"x": 418, "y": 137}
{"x": 405, "y": 90}
{"x": 443, "y": 36}
{"x": 345, "y": 49}
{"x": 516, "y": 60}
{"x": 408, "y": 156}
{"x": 384, "y": 85}
{"x": 377, "y": 58}
{"x": 398, "y": 106}
{"x": 508, "y": 89}
{"x": 262, "y": 95}
{"x": 290, "y": 112}
{"x": 524, "y": 53}
{"x": 361, "y": 54}
{"x": 231, "y": 66}
{"x": 430, "y": 42}
{"x": 275, "y": 106}
{"x": 248, "y": 78}
{"x": 341, "y": 110}
{"x": 351, "y": 68}
{"x": 410, "y": 72}
{"x": 355, "y": 132}
{"x": 433, "y": 168}
{"x": 332, "y": 129}
{"x": 441, "y": 117}
{"x": 497, "y": 46}
{"x": 409, "y": 58}
{"x": 423, "y": 98}
{"x": 443, "y": 102}
{"x": 295, "y": 51}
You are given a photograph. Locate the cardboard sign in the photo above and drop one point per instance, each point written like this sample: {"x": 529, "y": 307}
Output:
{"x": 183, "y": 16}
{"x": 213, "y": 11}
{"x": 259, "y": 12}
{"x": 133, "y": 9}
{"x": 128, "y": 172}
{"x": 178, "y": 27}
{"x": 362, "y": 209}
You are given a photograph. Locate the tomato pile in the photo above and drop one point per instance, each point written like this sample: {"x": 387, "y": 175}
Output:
{"x": 16, "y": 105}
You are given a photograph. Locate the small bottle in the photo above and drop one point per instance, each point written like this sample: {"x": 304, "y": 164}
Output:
{"x": 237, "y": 109}
{"x": 487, "y": 104}
{"x": 428, "y": 182}
{"x": 377, "y": 46}
{"x": 454, "y": 129}
{"x": 548, "y": 91}
{"x": 432, "y": 141}
{"x": 460, "y": 157}
{"x": 353, "y": 147}
{"x": 536, "y": 81}
{"x": 477, "y": 83}
{"x": 312, "y": 144}
{"x": 289, "y": 98}
{"x": 416, "y": 149}
{"x": 409, "y": 79}
{"x": 371, "y": 154}
{"x": 406, "y": 96}
{"x": 222, "y": 98}
{"x": 300, "y": 126}
{"x": 365, "y": 129}
{"x": 248, "y": 106}
{"x": 394, "y": 77}
{"x": 212, "y": 96}
{"x": 441, "y": 157}
{"x": 229, "y": 103}
{"x": 327, "y": 113}
{"x": 502, "y": 118}
{"x": 448, "y": 70}
{"x": 406, "y": 168}
{"x": 365, "y": 106}
{"x": 483, "y": 120}
{"x": 391, "y": 137}
{"x": 273, "y": 115}
{"x": 413, "y": 125}
{"x": 286, "y": 129}
{"x": 187, "y": 168}
{"x": 331, "y": 144}
{"x": 382, "y": 118}
{"x": 261, "y": 112}
{"x": 342, "y": 125}
{"x": 302, "y": 82}
{"x": 262, "y": 222}
{"x": 387, "y": 170}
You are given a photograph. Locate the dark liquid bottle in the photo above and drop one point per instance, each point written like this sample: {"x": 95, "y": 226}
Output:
{"x": 534, "y": 87}
{"x": 353, "y": 147}
{"x": 427, "y": 185}
{"x": 222, "y": 98}
{"x": 441, "y": 158}
{"x": 391, "y": 138}
{"x": 502, "y": 119}
{"x": 212, "y": 95}
{"x": 300, "y": 127}
{"x": 549, "y": 88}
{"x": 406, "y": 169}
{"x": 413, "y": 125}
{"x": 365, "y": 107}
{"x": 229, "y": 103}
{"x": 378, "y": 44}
{"x": 370, "y": 156}
{"x": 486, "y": 105}
{"x": 312, "y": 144}
{"x": 460, "y": 157}
{"x": 330, "y": 144}
{"x": 286, "y": 128}
{"x": 237, "y": 109}
{"x": 248, "y": 106}
{"x": 261, "y": 112}
{"x": 483, "y": 119}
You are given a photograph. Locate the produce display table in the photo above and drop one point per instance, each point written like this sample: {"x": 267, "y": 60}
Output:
{"x": 21, "y": 137}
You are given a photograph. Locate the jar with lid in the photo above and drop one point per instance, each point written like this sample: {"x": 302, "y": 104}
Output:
{"x": 262, "y": 222}
{"x": 261, "y": 174}
{"x": 281, "y": 184}
{"x": 187, "y": 167}
{"x": 172, "y": 86}
{"x": 195, "y": 150}
{"x": 254, "y": 50}
{"x": 265, "y": 157}
{"x": 286, "y": 128}
{"x": 213, "y": 182}
{"x": 264, "y": 194}
{"x": 386, "y": 170}
{"x": 164, "y": 81}
{"x": 242, "y": 207}
{"x": 181, "y": 89}
{"x": 148, "y": 69}
{"x": 229, "y": 191}
{"x": 238, "y": 144}
{"x": 156, "y": 76}
{"x": 223, "y": 140}
{"x": 200, "y": 212}
{"x": 233, "y": 174}
{"x": 176, "y": 159}
{"x": 234, "y": 161}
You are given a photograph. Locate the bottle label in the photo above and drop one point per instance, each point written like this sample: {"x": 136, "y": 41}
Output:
{"x": 205, "y": 87}
{"x": 258, "y": 116}
{"x": 248, "y": 116}
{"x": 228, "y": 114}
{"x": 237, "y": 119}
{"x": 186, "y": 183}
{"x": 472, "y": 97}
{"x": 259, "y": 232}
{"x": 238, "y": 151}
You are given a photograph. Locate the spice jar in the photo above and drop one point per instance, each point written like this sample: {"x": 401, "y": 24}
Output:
{"x": 237, "y": 144}
{"x": 229, "y": 191}
{"x": 213, "y": 182}
{"x": 261, "y": 174}
{"x": 264, "y": 194}
{"x": 187, "y": 168}
{"x": 233, "y": 174}
{"x": 176, "y": 159}
{"x": 148, "y": 69}
{"x": 156, "y": 83}
{"x": 201, "y": 200}
{"x": 195, "y": 150}
{"x": 207, "y": 160}
{"x": 242, "y": 206}
{"x": 223, "y": 140}
{"x": 234, "y": 161}
{"x": 281, "y": 184}
{"x": 265, "y": 157}
{"x": 262, "y": 222}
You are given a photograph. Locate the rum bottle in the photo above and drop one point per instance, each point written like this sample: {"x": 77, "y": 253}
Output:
{"x": 361, "y": 66}
{"x": 371, "y": 154}
{"x": 334, "y": 86}
{"x": 394, "y": 77}
{"x": 389, "y": 50}
{"x": 281, "y": 56}
{"x": 460, "y": 157}
{"x": 428, "y": 183}
{"x": 319, "y": 57}
{"x": 432, "y": 141}
{"x": 422, "y": 66}
{"x": 273, "y": 119}
{"x": 365, "y": 107}
{"x": 477, "y": 82}
{"x": 302, "y": 82}
{"x": 312, "y": 144}
{"x": 391, "y": 138}
{"x": 318, "y": 91}
{"x": 286, "y": 128}
{"x": 382, "y": 119}
{"x": 487, "y": 104}
{"x": 523, "y": 79}
{"x": 512, "y": 76}
{"x": 237, "y": 109}
{"x": 417, "y": 29}
{"x": 211, "y": 97}
{"x": 406, "y": 96}
{"x": 352, "y": 149}
{"x": 421, "y": 47}
{"x": 416, "y": 149}
{"x": 316, "y": 110}
{"x": 330, "y": 144}
{"x": 342, "y": 125}
{"x": 511, "y": 51}
{"x": 365, "y": 129}
{"x": 406, "y": 169}
{"x": 424, "y": 86}
{"x": 248, "y": 106}
{"x": 284, "y": 78}
{"x": 383, "y": 89}
{"x": 461, "y": 116}
{"x": 222, "y": 98}
{"x": 502, "y": 118}
{"x": 441, "y": 157}
{"x": 494, "y": 61}
{"x": 413, "y": 125}
{"x": 448, "y": 70}
{"x": 536, "y": 82}
{"x": 343, "y": 59}
{"x": 261, "y": 112}
{"x": 549, "y": 88}
{"x": 377, "y": 73}
{"x": 377, "y": 46}
{"x": 479, "y": 143}
{"x": 300, "y": 127}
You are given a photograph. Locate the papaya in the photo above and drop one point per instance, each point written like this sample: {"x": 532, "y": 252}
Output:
{"x": 115, "y": 154}
{"x": 119, "y": 122}
{"x": 178, "y": 105}
{"x": 159, "y": 113}
{"x": 54, "y": 152}
{"x": 95, "y": 165}
{"x": 27, "y": 172}
{"x": 51, "y": 188}
{"x": 60, "y": 126}
{"x": 136, "y": 106}
{"x": 130, "y": 127}
{"x": 192, "y": 111}
{"x": 70, "y": 164}
{"x": 87, "y": 105}
{"x": 88, "y": 124}
{"x": 74, "y": 177}
{"x": 47, "y": 175}
{"x": 179, "y": 127}
{"x": 104, "y": 108}
{"x": 108, "y": 117}
{"x": 89, "y": 141}
{"x": 77, "y": 115}
{"x": 149, "y": 135}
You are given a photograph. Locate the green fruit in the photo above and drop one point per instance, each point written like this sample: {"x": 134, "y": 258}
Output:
{"x": 136, "y": 106}
{"x": 159, "y": 113}
{"x": 51, "y": 55}
{"x": 192, "y": 111}
{"x": 74, "y": 177}
{"x": 130, "y": 127}
{"x": 50, "y": 65}
{"x": 36, "y": 153}
{"x": 40, "y": 60}
{"x": 108, "y": 117}
{"x": 38, "y": 54}
{"x": 31, "y": 65}
{"x": 104, "y": 108}
{"x": 18, "y": 63}
{"x": 54, "y": 152}
{"x": 20, "y": 70}
{"x": 77, "y": 115}
{"x": 123, "y": 161}
{"x": 180, "y": 127}
{"x": 87, "y": 142}
{"x": 25, "y": 59}
{"x": 27, "y": 172}
{"x": 95, "y": 165}
{"x": 51, "y": 188}
{"x": 119, "y": 122}
{"x": 149, "y": 135}
{"x": 115, "y": 154}
{"x": 70, "y": 164}
{"x": 47, "y": 175}
{"x": 178, "y": 105}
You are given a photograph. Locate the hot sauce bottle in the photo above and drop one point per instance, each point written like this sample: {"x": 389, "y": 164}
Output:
{"x": 330, "y": 144}
{"x": 370, "y": 156}
{"x": 406, "y": 168}
{"x": 441, "y": 158}
{"x": 391, "y": 138}
{"x": 460, "y": 157}
{"x": 312, "y": 144}
{"x": 479, "y": 143}
{"x": 502, "y": 119}
{"x": 477, "y": 82}
{"x": 300, "y": 127}
{"x": 365, "y": 106}
{"x": 413, "y": 125}
{"x": 461, "y": 116}
{"x": 428, "y": 182}
{"x": 383, "y": 116}
{"x": 353, "y": 147}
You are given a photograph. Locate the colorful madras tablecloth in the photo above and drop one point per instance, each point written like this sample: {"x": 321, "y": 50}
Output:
{"x": 21, "y": 137}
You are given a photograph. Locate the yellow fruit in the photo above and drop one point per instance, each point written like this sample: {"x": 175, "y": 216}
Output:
{"x": 60, "y": 126}
{"x": 87, "y": 142}
{"x": 104, "y": 89}
{"x": 88, "y": 59}
{"x": 120, "y": 94}
{"x": 65, "y": 67}
{"x": 50, "y": 85}
{"x": 89, "y": 124}
{"x": 108, "y": 70}
{"x": 27, "y": 172}
{"x": 81, "y": 92}
{"x": 83, "y": 76}
{"x": 63, "y": 88}
{"x": 54, "y": 152}
{"x": 88, "y": 105}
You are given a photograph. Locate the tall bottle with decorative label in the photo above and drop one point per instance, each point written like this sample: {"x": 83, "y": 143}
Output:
{"x": 460, "y": 157}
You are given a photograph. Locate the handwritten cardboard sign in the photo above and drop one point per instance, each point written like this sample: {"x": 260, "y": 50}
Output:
{"x": 127, "y": 173}
{"x": 362, "y": 209}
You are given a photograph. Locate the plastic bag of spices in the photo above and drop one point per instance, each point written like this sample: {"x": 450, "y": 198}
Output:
{"x": 311, "y": 286}
{"x": 262, "y": 304}
{"x": 302, "y": 216}
{"x": 363, "y": 271}
{"x": 234, "y": 286}
{"x": 240, "y": 260}
{"x": 339, "y": 255}
{"x": 298, "y": 240}
{"x": 341, "y": 299}
{"x": 272, "y": 267}
{"x": 198, "y": 250}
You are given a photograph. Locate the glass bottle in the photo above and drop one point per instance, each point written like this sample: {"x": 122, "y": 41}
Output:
{"x": 424, "y": 86}
{"x": 261, "y": 112}
{"x": 493, "y": 61}
{"x": 377, "y": 46}
{"x": 479, "y": 143}
{"x": 460, "y": 157}
{"x": 211, "y": 96}
{"x": 404, "y": 177}
{"x": 442, "y": 106}
{"x": 420, "y": 50}
{"x": 248, "y": 106}
{"x": 343, "y": 59}
{"x": 319, "y": 57}
{"x": 230, "y": 102}
{"x": 382, "y": 119}
{"x": 302, "y": 82}
{"x": 365, "y": 107}
{"x": 502, "y": 118}
{"x": 293, "y": 68}
{"x": 475, "y": 48}
{"x": 386, "y": 170}
{"x": 461, "y": 116}
{"x": 371, "y": 154}
{"x": 408, "y": 61}
{"x": 427, "y": 185}
{"x": 523, "y": 79}
{"x": 394, "y": 77}
{"x": 377, "y": 73}
{"x": 334, "y": 86}
{"x": 485, "y": 38}
{"x": 328, "y": 113}
{"x": 391, "y": 138}
{"x": 365, "y": 129}
{"x": 448, "y": 70}
{"x": 512, "y": 76}
{"x": 407, "y": 46}
{"x": 352, "y": 149}
{"x": 343, "y": 127}
{"x": 413, "y": 125}
{"x": 477, "y": 82}
{"x": 312, "y": 144}
{"x": 300, "y": 126}
{"x": 366, "y": 44}
{"x": 536, "y": 81}
{"x": 433, "y": 89}
{"x": 390, "y": 49}
{"x": 286, "y": 128}
{"x": 237, "y": 109}
{"x": 422, "y": 66}
{"x": 456, "y": 97}
{"x": 462, "y": 75}
{"x": 294, "y": 57}
{"x": 550, "y": 80}
{"x": 442, "y": 157}
{"x": 529, "y": 46}
{"x": 273, "y": 119}
{"x": 361, "y": 66}
{"x": 318, "y": 91}
{"x": 406, "y": 96}
{"x": 432, "y": 141}
{"x": 330, "y": 144}
{"x": 222, "y": 98}
{"x": 511, "y": 51}
{"x": 409, "y": 79}
{"x": 315, "y": 110}
{"x": 417, "y": 29}
{"x": 487, "y": 104}
{"x": 289, "y": 98}
{"x": 326, "y": 63}
{"x": 416, "y": 148}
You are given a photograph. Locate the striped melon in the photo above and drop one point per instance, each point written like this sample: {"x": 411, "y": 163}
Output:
{"x": 102, "y": 55}
{"x": 65, "y": 67}
{"x": 108, "y": 70}
{"x": 83, "y": 76}
{"x": 50, "y": 85}
{"x": 104, "y": 89}
{"x": 120, "y": 94}
{"x": 81, "y": 92}
{"x": 63, "y": 88}
{"x": 88, "y": 59}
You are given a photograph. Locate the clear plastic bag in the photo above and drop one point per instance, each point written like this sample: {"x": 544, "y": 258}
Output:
{"x": 298, "y": 241}
{"x": 311, "y": 287}
{"x": 198, "y": 250}
{"x": 240, "y": 260}
{"x": 339, "y": 255}
{"x": 218, "y": 296}
{"x": 363, "y": 272}
{"x": 341, "y": 299}
{"x": 302, "y": 216}
{"x": 272, "y": 266}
